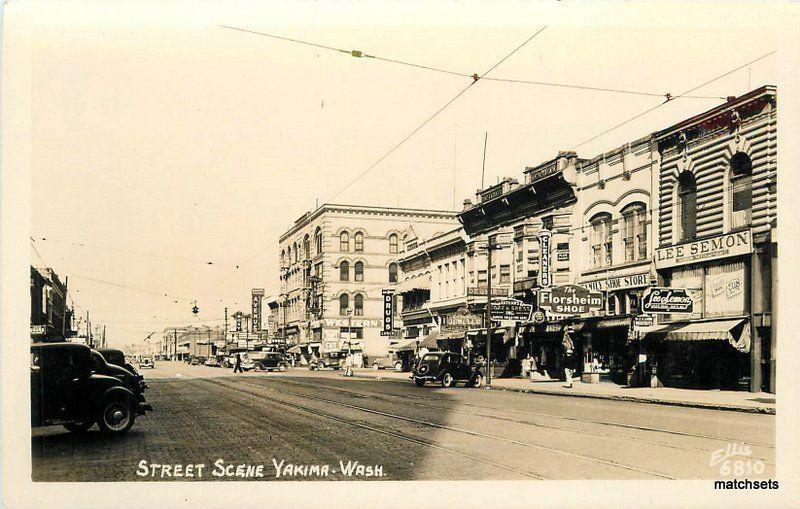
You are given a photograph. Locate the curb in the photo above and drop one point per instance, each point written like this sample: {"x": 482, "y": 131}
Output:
{"x": 613, "y": 397}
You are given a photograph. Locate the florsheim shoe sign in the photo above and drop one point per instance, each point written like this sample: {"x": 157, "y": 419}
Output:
{"x": 570, "y": 300}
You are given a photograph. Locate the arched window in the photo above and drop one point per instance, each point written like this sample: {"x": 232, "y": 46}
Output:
{"x": 306, "y": 247}
{"x": 741, "y": 186}
{"x": 344, "y": 303}
{"x": 289, "y": 255}
{"x": 358, "y": 305}
{"x": 358, "y": 242}
{"x": 344, "y": 271}
{"x": 602, "y": 254}
{"x": 296, "y": 253}
{"x": 393, "y": 243}
{"x": 392, "y": 272}
{"x": 344, "y": 242}
{"x": 687, "y": 206}
{"x": 359, "y": 271}
{"x": 318, "y": 239}
{"x": 634, "y": 236}
{"x": 283, "y": 258}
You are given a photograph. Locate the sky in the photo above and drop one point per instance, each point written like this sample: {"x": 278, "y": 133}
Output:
{"x": 154, "y": 130}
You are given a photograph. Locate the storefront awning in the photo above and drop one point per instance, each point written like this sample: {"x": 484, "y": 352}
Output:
{"x": 610, "y": 323}
{"x": 407, "y": 347}
{"x": 294, "y": 349}
{"x": 735, "y": 331}
{"x": 417, "y": 283}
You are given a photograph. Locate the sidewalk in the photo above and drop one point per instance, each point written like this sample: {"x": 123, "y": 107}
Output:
{"x": 711, "y": 399}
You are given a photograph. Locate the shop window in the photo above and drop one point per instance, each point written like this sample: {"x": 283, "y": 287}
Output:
{"x": 687, "y": 206}
{"x": 634, "y": 218}
{"x": 318, "y": 239}
{"x": 392, "y": 272}
{"x": 741, "y": 190}
{"x": 505, "y": 274}
{"x": 393, "y": 243}
{"x": 358, "y": 242}
{"x": 601, "y": 240}
{"x": 344, "y": 271}
{"x": 344, "y": 242}
{"x": 344, "y": 303}
{"x": 359, "y": 271}
{"x": 358, "y": 305}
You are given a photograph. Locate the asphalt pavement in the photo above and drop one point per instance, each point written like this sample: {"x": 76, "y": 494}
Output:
{"x": 303, "y": 425}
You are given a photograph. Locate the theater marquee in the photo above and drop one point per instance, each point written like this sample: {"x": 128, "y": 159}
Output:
{"x": 722, "y": 246}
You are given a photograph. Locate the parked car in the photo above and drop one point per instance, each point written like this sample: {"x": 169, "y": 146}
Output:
{"x": 213, "y": 362}
{"x": 117, "y": 358}
{"x": 72, "y": 385}
{"x": 197, "y": 361}
{"x": 390, "y": 361}
{"x": 269, "y": 361}
{"x": 448, "y": 369}
{"x": 146, "y": 362}
{"x": 246, "y": 362}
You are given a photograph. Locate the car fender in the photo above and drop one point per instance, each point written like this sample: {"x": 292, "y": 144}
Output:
{"x": 116, "y": 392}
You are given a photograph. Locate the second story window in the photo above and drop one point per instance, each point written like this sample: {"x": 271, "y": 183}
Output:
{"x": 601, "y": 240}
{"x": 358, "y": 242}
{"x": 393, "y": 243}
{"x": 359, "y": 271}
{"x": 392, "y": 272}
{"x": 307, "y": 247}
{"x": 344, "y": 271}
{"x": 344, "y": 303}
{"x": 358, "y": 305}
{"x": 634, "y": 218}
{"x": 318, "y": 239}
{"x": 344, "y": 242}
{"x": 741, "y": 190}
{"x": 505, "y": 274}
{"x": 687, "y": 206}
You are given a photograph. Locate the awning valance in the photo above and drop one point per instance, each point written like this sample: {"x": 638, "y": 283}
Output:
{"x": 417, "y": 283}
{"x": 733, "y": 330}
{"x": 610, "y": 323}
{"x": 294, "y": 349}
{"x": 407, "y": 347}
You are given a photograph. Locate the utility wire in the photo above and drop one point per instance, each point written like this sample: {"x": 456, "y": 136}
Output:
{"x": 670, "y": 98}
{"x": 133, "y": 288}
{"x": 361, "y": 54}
{"x": 476, "y": 78}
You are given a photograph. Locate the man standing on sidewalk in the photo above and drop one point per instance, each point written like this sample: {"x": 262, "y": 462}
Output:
{"x": 568, "y": 360}
{"x": 237, "y": 368}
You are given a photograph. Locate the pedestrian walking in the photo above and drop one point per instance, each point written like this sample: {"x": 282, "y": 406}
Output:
{"x": 237, "y": 368}
{"x": 348, "y": 365}
{"x": 568, "y": 359}
{"x": 526, "y": 366}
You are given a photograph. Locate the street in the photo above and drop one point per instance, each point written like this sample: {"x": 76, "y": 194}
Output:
{"x": 304, "y": 425}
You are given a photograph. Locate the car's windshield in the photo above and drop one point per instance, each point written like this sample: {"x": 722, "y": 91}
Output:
{"x": 432, "y": 357}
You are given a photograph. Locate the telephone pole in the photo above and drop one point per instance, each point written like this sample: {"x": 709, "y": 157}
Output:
{"x": 491, "y": 245}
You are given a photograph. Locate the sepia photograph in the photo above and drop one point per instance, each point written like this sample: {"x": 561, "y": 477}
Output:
{"x": 524, "y": 252}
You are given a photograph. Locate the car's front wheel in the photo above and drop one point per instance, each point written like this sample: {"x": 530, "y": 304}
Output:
{"x": 477, "y": 381}
{"x": 448, "y": 380}
{"x": 78, "y": 427}
{"x": 398, "y": 366}
{"x": 419, "y": 381}
{"x": 115, "y": 417}
{"x": 282, "y": 367}
{"x": 375, "y": 367}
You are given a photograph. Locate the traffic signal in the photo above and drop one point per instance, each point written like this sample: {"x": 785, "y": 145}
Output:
{"x": 195, "y": 309}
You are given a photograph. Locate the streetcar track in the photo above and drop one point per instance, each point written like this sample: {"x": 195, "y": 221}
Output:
{"x": 553, "y": 450}
{"x": 568, "y": 418}
{"x": 401, "y": 436}
{"x": 380, "y": 396}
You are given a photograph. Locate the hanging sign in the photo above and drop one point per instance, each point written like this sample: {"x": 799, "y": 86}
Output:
{"x": 257, "y": 295}
{"x": 388, "y": 313}
{"x": 511, "y": 310}
{"x": 643, "y": 321}
{"x": 667, "y": 301}
{"x": 544, "y": 258}
{"x": 238, "y": 322}
{"x": 570, "y": 300}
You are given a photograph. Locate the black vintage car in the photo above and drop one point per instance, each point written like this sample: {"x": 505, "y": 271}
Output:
{"x": 101, "y": 366}
{"x": 66, "y": 389}
{"x": 269, "y": 361}
{"x": 117, "y": 358}
{"x": 448, "y": 369}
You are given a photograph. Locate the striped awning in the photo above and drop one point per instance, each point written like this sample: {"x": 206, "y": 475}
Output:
{"x": 735, "y": 331}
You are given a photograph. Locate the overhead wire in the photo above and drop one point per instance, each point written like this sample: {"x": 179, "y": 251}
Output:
{"x": 361, "y": 54}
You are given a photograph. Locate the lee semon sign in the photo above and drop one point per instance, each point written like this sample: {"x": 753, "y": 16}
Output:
{"x": 722, "y": 246}
{"x": 667, "y": 301}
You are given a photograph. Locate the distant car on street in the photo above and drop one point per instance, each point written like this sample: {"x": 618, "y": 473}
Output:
{"x": 269, "y": 361}
{"x": 247, "y": 362}
{"x": 385, "y": 362}
{"x": 197, "y": 361}
{"x": 448, "y": 369}
{"x": 74, "y": 386}
{"x": 213, "y": 362}
{"x": 146, "y": 362}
